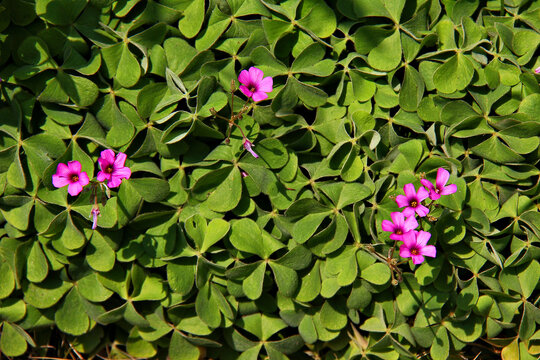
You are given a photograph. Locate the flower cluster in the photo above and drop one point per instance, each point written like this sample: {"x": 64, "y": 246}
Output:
{"x": 256, "y": 87}
{"x": 403, "y": 225}
{"x": 113, "y": 170}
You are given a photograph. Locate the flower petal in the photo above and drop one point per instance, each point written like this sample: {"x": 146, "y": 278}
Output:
{"x": 434, "y": 196}
{"x": 259, "y": 96}
{"x": 417, "y": 259}
{"x": 396, "y": 237}
{"x": 409, "y": 190}
{"x": 108, "y": 156}
{"x": 397, "y": 218}
{"x": 74, "y": 167}
{"x": 266, "y": 84}
{"x": 422, "y": 194}
{"x": 245, "y": 91}
{"x": 74, "y": 188}
{"x": 114, "y": 182}
{"x": 387, "y": 226}
{"x": 122, "y": 173}
{"x": 410, "y": 224}
{"x": 404, "y": 251}
{"x": 422, "y": 238}
{"x": 60, "y": 181}
{"x": 409, "y": 239}
{"x": 427, "y": 184}
{"x": 256, "y": 75}
{"x": 120, "y": 160}
{"x": 450, "y": 189}
{"x": 402, "y": 200}
{"x": 102, "y": 176}
{"x": 421, "y": 210}
{"x": 244, "y": 77}
{"x": 429, "y": 250}
{"x": 62, "y": 170}
{"x": 83, "y": 178}
{"x": 408, "y": 211}
{"x": 442, "y": 178}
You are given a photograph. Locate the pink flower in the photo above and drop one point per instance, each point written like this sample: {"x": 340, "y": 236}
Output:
{"x": 414, "y": 246}
{"x": 413, "y": 201}
{"x": 399, "y": 226}
{"x": 440, "y": 187}
{"x": 71, "y": 176}
{"x": 112, "y": 169}
{"x": 95, "y": 214}
{"x": 254, "y": 85}
{"x": 247, "y": 146}
{"x": 244, "y": 174}
{"x": 537, "y": 70}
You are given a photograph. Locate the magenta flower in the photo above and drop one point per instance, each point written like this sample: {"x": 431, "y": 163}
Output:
{"x": 112, "y": 168}
{"x": 537, "y": 70}
{"x": 399, "y": 226}
{"x": 415, "y": 246}
{"x": 413, "y": 201}
{"x": 244, "y": 174}
{"x": 72, "y": 176}
{"x": 440, "y": 187}
{"x": 247, "y": 146}
{"x": 254, "y": 85}
{"x": 95, "y": 213}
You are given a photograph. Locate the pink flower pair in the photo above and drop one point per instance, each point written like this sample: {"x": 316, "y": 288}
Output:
{"x": 414, "y": 242}
{"x": 112, "y": 170}
{"x": 412, "y": 200}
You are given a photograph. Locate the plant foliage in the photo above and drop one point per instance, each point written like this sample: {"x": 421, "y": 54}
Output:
{"x": 208, "y": 252}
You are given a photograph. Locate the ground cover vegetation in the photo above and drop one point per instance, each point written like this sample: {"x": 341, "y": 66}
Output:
{"x": 251, "y": 179}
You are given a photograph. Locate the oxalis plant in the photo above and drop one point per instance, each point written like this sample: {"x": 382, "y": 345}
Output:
{"x": 264, "y": 179}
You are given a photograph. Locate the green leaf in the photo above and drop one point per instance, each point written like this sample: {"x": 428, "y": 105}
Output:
{"x": 466, "y": 330}
{"x": 207, "y": 307}
{"x": 36, "y": 266}
{"x": 454, "y": 75}
{"x": 378, "y": 274}
{"x": 412, "y": 89}
{"x": 334, "y": 314}
{"x": 181, "y": 349}
{"x": 81, "y": 91}
{"x": 253, "y": 284}
{"x": 246, "y": 236}
{"x": 12, "y": 342}
{"x": 441, "y": 345}
{"x": 47, "y": 293}
{"x": 128, "y": 71}
{"x": 59, "y": 12}
{"x": 180, "y": 276}
{"x": 193, "y": 19}
{"x": 217, "y": 229}
{"x": 150, "y": 189}
{"x": 71, "y": 317}
{"x": 7, "y": 280}
{"x": 286, "y": 279}
{"x": 99, "y": 254}
{"x": 227, "y": 195}
{"x": 386, "y": 56}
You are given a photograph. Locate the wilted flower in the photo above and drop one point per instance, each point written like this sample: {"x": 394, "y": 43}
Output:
{"x": 72, "y": 176}
{"x": 400, "y": 225}
{"x": 415, "y": 246}
{"x": 247, "y": 146}
{"x": 95, "y": 213}
{"x": 413, "y": 201}
{"x": 440, "y": 187}
{"x": 254, "y": 85}
{"x": 112, "y": 168}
